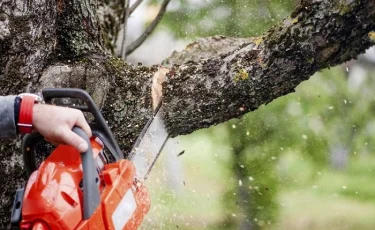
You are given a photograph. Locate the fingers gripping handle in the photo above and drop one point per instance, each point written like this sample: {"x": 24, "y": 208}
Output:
{"x": 91, "y": 196}
{"x": 101, "y": 124}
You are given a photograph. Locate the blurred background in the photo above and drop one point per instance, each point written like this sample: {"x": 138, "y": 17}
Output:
{"x": 304, "y": 161}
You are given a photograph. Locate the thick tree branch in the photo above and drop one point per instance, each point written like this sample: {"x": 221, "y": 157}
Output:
{"x": 205, "y": 48}
{"x": 134, "y": 45}
{"x": 319, "y": 34}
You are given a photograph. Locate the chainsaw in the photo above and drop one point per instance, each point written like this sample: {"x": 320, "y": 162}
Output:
{"x": 96, "y": 189}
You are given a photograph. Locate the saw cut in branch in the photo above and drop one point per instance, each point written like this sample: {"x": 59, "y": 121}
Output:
{"x": 134, "y": 6}
{"x": 133, "y": 46}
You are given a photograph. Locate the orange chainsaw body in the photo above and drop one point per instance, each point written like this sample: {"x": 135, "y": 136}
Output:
{"x": 53, "y": 195}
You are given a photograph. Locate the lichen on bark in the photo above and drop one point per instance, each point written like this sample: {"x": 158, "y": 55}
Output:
{"x": 317, "y": 35}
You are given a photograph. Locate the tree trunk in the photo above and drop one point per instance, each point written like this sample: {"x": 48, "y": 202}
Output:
{"x": 60, "y": 44}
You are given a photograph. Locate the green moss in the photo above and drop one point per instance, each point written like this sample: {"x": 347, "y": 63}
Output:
{"x": 82, "y": 61}
{"x": 294, "y": 20}
{"x": 258, "y": 40}
{"x": 241, "y": 75}
{"x": 116, "y": 63}
{"x": 371, "y": 35}
{"x": 343, "y": 7}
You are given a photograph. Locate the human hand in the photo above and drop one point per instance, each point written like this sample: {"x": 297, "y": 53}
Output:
{"x": 55, "y": 123}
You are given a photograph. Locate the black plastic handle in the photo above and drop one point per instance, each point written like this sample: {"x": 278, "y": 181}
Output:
{"x": 100, "y": 124}
{"x": 51, "y": 93}
{"x": 91, "y": 195}
{"x": 16, "y": 215}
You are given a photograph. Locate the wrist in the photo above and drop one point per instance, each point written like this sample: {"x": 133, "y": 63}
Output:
{"x": 37, "y": 117}
{"x": 25, "y": 114}
{"x": 17, "y": 104}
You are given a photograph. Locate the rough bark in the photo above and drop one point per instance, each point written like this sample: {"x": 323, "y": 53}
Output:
{"x": 58, "y": 44}
{"x": 318, "y": 34}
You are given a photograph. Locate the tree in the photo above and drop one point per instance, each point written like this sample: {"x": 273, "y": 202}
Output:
{"x": 66, "y": 44}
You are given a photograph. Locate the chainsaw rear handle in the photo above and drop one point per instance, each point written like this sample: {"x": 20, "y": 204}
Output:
{"x": 91, "y": 195}
{"x": 100, "y": 127}
{"x": 90, "y": 178}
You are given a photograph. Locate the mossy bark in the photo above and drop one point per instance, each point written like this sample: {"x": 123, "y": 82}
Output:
{"x": 59, "y": 44}
{"x": 201, "y": 92}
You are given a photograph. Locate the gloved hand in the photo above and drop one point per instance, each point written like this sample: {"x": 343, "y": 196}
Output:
{"x": 55, "y": 123}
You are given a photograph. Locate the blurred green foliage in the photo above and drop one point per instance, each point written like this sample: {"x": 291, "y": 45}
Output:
{"x": 289, "y": 143}
{"x": 308, "y": 152}
{"x": 240, "y": 18}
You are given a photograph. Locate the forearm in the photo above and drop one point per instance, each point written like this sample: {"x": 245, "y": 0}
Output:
{"x": 7, "y": 123}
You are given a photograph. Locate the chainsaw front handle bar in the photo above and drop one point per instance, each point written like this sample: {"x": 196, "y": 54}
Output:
{"x": 91, "y": 195}
{"x": 99, "y": 127}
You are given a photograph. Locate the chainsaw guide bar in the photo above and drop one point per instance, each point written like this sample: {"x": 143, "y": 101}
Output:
{"x": 149, "y": 144}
